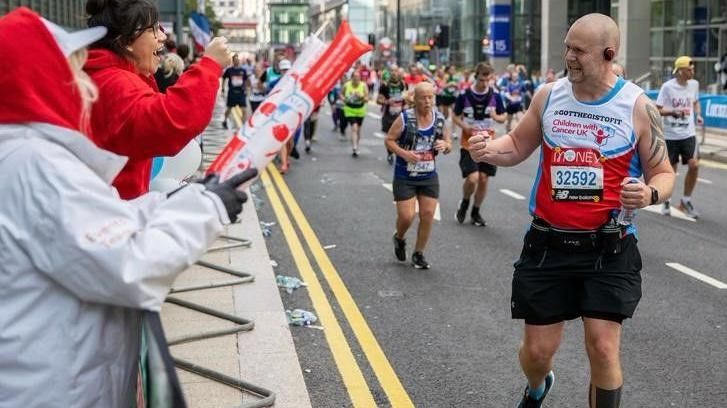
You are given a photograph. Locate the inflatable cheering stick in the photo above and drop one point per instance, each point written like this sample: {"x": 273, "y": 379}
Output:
{"x": 289, "y": 104}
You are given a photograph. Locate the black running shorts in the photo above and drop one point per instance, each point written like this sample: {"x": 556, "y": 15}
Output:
{"x": 406, "y": 189}
{"x": 550, "y": 286}
{"x": 235, "y": 99}
{"x": 685, "y": 148}
{"x": 358, "y": 120}
{"x": 469, "y": 166}
{"x": 445, "y": 100}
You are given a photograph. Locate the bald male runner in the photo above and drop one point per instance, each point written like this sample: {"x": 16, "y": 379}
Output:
{"x": 595, "y": 130}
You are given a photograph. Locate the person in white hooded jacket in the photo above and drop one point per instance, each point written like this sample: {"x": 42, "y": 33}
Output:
{"x": 78, "y": 265}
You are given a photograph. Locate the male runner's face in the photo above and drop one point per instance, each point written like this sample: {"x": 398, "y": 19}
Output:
{"x": 582, "y": 57}
{"x": 483, "y": 80}
{"x": 686, "y": 73}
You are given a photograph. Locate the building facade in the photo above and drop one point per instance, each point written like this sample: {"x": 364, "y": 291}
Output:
{"x": 363, "y": 17}
{"x": 695, "y": 28}
{"x": 68, "y": 13}
{"x": 239, "y": 20}
{"x": 288, "y": 22}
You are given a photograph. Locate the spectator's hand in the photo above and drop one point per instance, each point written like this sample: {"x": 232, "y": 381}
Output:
{"x": 228, "y": 192}
{"x": 218, "y": 51}
{"x": 700, "y": 120}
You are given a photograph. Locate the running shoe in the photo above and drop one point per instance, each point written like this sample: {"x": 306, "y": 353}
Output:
{"x": 666, "y": 208}
{"x": 688, "y": 208}
{"x": 355, "y": 153}
{"x": 529, "y": 402}
{"x": 399, "y": 248}
{"x": 294, "y": 153}
{"x": 477, "y": 220}
{"x": 307, "y": 149}
{"x": 418, "y": 261}
{"x": 461, "y": 212}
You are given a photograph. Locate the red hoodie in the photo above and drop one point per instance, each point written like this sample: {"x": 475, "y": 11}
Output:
{"x": 133, "y": 119}
{"x": 36, "y": 80}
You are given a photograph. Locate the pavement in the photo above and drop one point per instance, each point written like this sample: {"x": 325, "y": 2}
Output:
{"x": 713, "y": 145}
{"x": 264, "y": 356}
{"x": 445, "y": 334}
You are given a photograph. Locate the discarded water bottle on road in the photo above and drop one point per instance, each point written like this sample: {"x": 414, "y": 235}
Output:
{"x": 290, "y": 283}
{"x": 627, "y": 215}
{"x": 300, "y": 317}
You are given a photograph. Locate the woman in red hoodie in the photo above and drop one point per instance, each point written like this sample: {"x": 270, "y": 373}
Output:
{"x": 132, "y": 117}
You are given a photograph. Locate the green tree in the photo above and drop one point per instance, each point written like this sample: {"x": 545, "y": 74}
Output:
{"x": 192, "y": 5}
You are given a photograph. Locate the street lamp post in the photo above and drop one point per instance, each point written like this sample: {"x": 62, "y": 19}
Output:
{"x": 398, "y": 32}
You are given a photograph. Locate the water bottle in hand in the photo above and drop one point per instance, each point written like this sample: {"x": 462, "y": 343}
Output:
{"x": 627, "y": 215}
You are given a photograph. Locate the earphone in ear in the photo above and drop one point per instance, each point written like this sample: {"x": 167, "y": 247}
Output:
{"x": 608, "y": 54}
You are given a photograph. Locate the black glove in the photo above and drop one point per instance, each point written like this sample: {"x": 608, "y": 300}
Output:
{"x": 227, "y": 190}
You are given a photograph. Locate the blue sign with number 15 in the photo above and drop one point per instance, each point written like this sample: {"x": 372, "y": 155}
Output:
{"x": 499, "y": 30}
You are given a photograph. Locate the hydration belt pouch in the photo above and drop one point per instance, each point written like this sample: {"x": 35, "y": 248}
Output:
{"x": 608, "y": 239}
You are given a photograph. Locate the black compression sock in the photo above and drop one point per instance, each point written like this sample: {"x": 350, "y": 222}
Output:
{"x": 475, "y": 210}
{"x": 605, "y": 398}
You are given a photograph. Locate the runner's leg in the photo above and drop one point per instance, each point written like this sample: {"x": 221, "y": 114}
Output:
{"x": 470, "y": 185}
{"x": 540, "y": 342}
{"x": 427, "y": 206}
{"x": 355, "y": 128}
{"x": 481, "y": 189}
{"x": 227, "y": 114}
{"x": 690, "y": 180}
{"x": 405, "y": 211}
{"x": 602, "y": 339}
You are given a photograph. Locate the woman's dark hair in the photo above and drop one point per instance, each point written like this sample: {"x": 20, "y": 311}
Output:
{"x": 183, "y": 51}
{"x": 125, "y": 20}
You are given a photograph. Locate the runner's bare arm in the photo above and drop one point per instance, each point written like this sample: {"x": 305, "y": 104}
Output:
{"x": 444, "y": 145}
{"x": 498, "y": 118}
{"x": 457, "y": 119}
{"x": 652, "y": 152}
{"x": 520, "y": 143}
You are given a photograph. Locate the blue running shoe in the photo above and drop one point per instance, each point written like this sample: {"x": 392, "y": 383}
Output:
{"x": 529, "y": 402}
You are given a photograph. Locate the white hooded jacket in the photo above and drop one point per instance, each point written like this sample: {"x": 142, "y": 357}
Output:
{"x": 77, "y": 264}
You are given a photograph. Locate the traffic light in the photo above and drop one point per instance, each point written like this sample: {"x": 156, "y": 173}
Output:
{"x": 430, "y": 41}
{"x": 372, "y": 39}
{"x": 443, "y": 37}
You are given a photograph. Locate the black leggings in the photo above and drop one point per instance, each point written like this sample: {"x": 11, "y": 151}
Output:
{"x": 341, "y": 120}
{"x": 309, "y": 129}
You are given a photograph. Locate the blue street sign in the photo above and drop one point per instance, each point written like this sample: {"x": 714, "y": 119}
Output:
{"x": 499, "y": 30}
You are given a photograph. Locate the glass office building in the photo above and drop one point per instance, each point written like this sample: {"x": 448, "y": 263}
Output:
{"x": 697, "y": 28}
{"x": 68, "y": 13}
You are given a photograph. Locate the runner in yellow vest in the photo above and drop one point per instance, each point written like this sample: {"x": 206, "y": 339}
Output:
{"x": 355, "y": 95}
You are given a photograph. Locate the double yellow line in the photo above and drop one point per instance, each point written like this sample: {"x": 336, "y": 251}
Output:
{"x": 353, "y": 379}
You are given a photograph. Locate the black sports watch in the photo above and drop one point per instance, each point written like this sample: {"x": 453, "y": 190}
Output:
{"x": 654, "y": 195}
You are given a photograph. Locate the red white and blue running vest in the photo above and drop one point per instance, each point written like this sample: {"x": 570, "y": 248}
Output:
{"x": 588, "y": 148}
